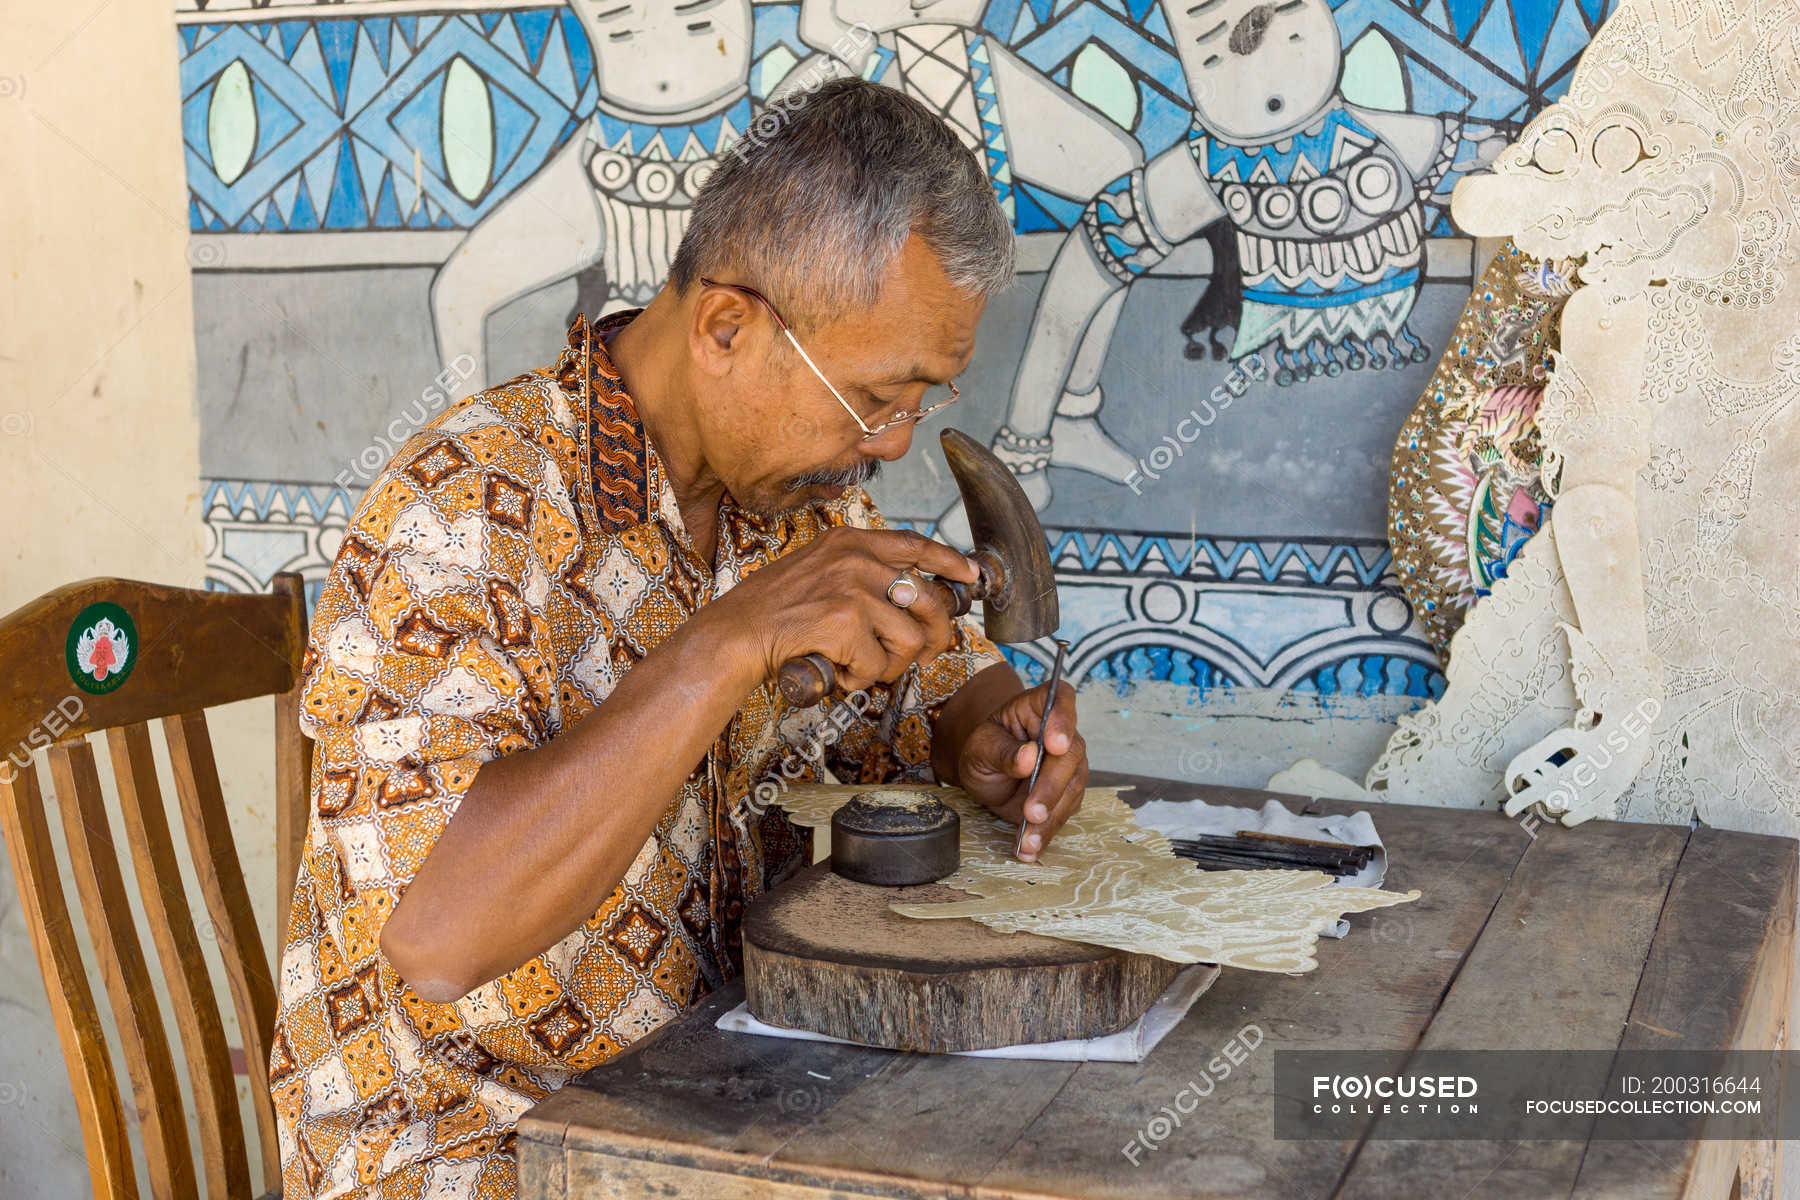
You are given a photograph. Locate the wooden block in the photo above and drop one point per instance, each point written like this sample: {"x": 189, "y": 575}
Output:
{"x": 825, "y": 954}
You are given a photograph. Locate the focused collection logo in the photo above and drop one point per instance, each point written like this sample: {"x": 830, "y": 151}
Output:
{"x": 1403, "y": 1093}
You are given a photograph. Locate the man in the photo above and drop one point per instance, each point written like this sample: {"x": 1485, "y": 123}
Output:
{"x": 540, "y": 678}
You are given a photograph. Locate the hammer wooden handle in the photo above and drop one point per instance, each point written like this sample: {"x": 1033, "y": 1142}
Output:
{"x": 806, "y": 680}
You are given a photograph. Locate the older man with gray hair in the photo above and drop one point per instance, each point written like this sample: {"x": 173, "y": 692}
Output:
{"x": 540, "y": 680}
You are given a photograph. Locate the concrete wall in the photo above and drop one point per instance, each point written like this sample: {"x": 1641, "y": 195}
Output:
{"x": 99, "y": 442}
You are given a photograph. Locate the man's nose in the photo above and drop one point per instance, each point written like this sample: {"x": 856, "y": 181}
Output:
{"x": 890, "y": 445}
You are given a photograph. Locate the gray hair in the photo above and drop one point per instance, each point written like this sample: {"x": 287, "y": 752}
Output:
{"x": 814, "y": 211}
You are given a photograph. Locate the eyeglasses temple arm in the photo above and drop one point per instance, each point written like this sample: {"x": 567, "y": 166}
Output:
{"x": 807, "y": 358}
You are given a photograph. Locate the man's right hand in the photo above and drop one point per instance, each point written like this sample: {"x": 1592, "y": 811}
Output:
{"x": 830, "y": 597}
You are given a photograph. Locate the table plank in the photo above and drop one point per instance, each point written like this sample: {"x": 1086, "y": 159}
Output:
{"x": 734, "y": 1098}
{"x": 1556, "y": 969}
{"x": 693, "y": 1099}
{"x": 1717, "y": 977}
{"x": 1375, "y": 989}
{"x": 595, "y": 1176}
{"x": 935, "y": 1121}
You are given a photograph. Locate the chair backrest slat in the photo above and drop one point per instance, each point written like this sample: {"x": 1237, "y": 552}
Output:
{"x": 184, "y": 963}
{"x": 78, "y": 1027}
{"x": 293, "y": 774}
{"x": 227, "y": 904}
{"x": 93, "y": 857}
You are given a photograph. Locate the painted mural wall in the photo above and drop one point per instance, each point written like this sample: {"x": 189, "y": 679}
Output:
{"x": 1237, "y": 267}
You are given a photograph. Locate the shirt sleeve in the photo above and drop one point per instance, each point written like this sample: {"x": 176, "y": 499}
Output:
{"x": 887, "y": 729}
{"x": 430, "y": 649}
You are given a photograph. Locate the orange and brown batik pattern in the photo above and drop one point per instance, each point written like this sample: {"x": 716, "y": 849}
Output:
{"x": 506, "y": 570}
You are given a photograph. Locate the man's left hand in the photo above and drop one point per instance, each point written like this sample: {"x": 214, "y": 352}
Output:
{"x": 997, "y": 757}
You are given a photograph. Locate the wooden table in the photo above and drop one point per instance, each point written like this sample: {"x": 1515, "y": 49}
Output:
{"x": 1634, "y": 936}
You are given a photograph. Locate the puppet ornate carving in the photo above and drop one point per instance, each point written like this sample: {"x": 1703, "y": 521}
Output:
{"x": 1639, "y": 657}
{"x": 1108, "y": 882}
{"x": 1466, "y": 490}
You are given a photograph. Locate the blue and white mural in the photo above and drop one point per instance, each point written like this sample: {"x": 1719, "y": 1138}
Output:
{"x": 1237, "y": 265}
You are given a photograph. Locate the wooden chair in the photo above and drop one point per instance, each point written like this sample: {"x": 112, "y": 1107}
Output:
{"x": 168, "y": 654}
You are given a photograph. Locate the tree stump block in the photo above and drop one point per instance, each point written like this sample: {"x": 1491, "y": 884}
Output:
{"x": 824, "y": 954}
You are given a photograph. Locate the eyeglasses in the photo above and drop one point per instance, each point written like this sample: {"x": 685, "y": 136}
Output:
{"x": 869, "y": 435}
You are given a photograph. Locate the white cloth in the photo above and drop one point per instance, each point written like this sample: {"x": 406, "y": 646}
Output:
{"x": 1130, "y": 1044}
{"x": 1190, "y": 818}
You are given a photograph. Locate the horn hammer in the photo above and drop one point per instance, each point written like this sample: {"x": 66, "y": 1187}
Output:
{"x": 1004, "y": 527}
{"x": 1017, "y": 587}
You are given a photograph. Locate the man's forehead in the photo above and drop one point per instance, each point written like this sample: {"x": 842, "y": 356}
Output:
{"x": 921, "y": 326}
{"x": 906, "y": 354}
{"x": 917, "y": 333}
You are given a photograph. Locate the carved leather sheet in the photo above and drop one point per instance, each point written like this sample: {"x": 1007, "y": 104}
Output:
{"x": 1108, "y": 882}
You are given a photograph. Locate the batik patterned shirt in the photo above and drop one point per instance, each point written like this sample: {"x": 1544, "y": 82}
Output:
{"x": 510, "y": 565}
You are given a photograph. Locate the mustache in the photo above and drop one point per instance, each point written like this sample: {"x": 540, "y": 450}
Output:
{"x": 855, "y": 475}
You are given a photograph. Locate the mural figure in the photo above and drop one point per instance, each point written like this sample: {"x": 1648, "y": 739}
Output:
{"x": 613, "y": 202}
{"x": 1326, "y": 201}
{"x": 1053, "y": 140}
{"x": 1018, "y": 123}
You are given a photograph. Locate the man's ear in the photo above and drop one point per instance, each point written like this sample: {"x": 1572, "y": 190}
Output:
{"x": 718, "y": 336}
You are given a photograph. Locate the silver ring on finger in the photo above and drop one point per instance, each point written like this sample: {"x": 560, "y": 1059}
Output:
{"x": 903, "y": 591}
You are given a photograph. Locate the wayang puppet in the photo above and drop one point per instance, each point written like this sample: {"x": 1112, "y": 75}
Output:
{"x": 1639, "y": 656}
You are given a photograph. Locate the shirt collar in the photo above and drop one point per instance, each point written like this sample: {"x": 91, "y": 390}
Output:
{"x": 619, "y": 457}
{"x": 629, "y": 483}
